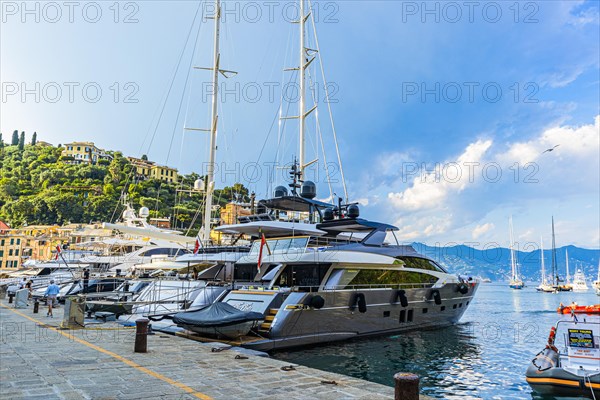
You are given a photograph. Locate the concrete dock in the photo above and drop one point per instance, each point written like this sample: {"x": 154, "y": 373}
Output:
{"x": 40, "y": 361}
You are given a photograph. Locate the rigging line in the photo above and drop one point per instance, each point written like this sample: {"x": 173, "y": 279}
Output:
{"x": 174, "y": 76}
{"x": 195, "y": 218}
{"x": 319, "y": 135}
{"x": 281, "y": 122}
{"x": 312, "y": 18}
{"x": 185, "y": 84}
{"x": 277, "y": 115}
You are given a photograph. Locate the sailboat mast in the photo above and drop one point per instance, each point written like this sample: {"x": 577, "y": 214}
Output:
{"x": 542, "y": 258}
{"x": 512, "y": 251}
{"x": 210, "y": 170}
{"x": 567, "y": 261}
{"x": 302, "y": 81}
{"x": 554, "y": 271}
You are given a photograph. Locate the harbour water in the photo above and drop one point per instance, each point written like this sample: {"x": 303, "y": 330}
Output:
{"x": 483, "y": 357}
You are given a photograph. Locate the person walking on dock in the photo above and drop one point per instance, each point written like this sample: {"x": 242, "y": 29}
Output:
{"x": 51, "y": 293}
{"x": 29, "y": 287}
{"x": 86, "y": 279}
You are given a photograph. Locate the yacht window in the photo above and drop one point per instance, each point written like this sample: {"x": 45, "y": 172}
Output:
{"x": 244, "y": 272}
{"x": 390, "y": 238}
{"x": 271, "y": 272}
{"x": 156, "y": 252}
{"x": 305, "y": 276}
{"x": 420, "y": 263}
{"x": 351, "y": 278}
{"x": 375, "y": 239}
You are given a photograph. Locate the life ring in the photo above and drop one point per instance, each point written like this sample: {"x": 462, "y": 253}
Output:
{"x": 358, "y": 299}
{"x": 462, "y": 287}
{"x": 399, "y": 294}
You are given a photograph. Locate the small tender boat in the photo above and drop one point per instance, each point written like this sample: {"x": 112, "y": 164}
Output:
{"x": 572, "y": 371}
{"x": 575, "y": 309}
{"x": 219, "y": 319}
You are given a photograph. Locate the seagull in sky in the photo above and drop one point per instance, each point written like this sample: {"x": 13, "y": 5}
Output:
{"x": 549, "y": 150}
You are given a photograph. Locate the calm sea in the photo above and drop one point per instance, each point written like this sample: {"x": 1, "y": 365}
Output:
{"x": 483, "y": 357}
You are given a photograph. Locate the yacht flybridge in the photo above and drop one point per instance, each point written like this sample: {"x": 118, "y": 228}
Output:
{"x": 318, "y": 273}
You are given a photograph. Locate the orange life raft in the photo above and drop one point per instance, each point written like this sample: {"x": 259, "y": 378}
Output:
{"x": 594, "y": 309}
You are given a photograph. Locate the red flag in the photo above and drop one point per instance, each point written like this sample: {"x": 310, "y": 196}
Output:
{"x": 58, "y": 250}
{"x": 263, "y": 242}
{"x": 197, "y": 246}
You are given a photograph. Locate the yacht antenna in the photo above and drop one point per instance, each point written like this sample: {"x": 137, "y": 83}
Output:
{"x": 210, "y": 169}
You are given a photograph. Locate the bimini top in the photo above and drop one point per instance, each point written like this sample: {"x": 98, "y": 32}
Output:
{"x": 272, "y": 228}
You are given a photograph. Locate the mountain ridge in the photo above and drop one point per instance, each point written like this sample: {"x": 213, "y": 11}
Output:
{"x": 494, "y": 262}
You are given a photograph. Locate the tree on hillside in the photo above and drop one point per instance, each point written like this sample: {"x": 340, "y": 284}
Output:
{"x": 144, "y": 157}
{"x": 22, "y": 141}
{"x": 15, "y": 138}
{"x": 34, "y": 139}
{"x": 1, "y": 142}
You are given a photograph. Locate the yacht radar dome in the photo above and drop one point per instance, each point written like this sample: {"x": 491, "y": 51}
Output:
{"x": 328, "y": 214}
{"x": 280, "y": 191}
{"x": 308, "y": 190}
{"x": 144, "y": 212}
{"x": 199, "y": 185}
{"x": 128, "y": 214}
{"x": 353, "y": 211}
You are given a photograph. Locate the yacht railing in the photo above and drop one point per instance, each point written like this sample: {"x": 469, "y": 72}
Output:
{"x": 335, "y": 288}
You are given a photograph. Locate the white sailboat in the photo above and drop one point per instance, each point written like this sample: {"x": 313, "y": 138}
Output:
{"x": 596, "y": 283}
{"x": 579, "y": 284}
{"x": 515, "y": 281}
{"x": 544, "y": 286}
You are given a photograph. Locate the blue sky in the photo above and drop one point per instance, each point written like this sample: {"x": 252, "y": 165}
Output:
{"x": 421, "y": 91}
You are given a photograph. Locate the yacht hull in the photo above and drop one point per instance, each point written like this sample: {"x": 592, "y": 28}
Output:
{"x": 559, "y": 382}
{"x": 295, "y": 325}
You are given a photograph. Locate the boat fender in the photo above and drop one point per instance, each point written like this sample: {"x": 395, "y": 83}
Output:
{"x": 545, "y": 359}
{"x": 358, "y": 299}
{"x": 435, "y": 295}
{"x": 317, "y": 302}
{"x": 463, "y": 288}
{"x": 399, "y": 294}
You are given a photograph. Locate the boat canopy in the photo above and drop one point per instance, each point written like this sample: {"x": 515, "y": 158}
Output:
{"x": 215, "y": 315}
{"x": 272, "y": 228}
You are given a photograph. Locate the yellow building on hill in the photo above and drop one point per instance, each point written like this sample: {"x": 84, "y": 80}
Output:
{"x": 150, "y": 170}
{"x": 85, "y": 152}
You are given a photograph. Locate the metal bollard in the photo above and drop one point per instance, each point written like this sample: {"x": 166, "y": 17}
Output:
{"x": 141, "y": 336}
{"x": 407, "y": 386}
{"x": 10, "y": 297}
{"x": 36, "y": 306}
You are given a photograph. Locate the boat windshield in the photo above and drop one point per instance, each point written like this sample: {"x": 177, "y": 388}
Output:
{"x": 281, "y": 245}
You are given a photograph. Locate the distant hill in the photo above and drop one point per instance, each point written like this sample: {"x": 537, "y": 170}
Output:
{"x": 38, "y": 187}
{"x": 494, "y": 263}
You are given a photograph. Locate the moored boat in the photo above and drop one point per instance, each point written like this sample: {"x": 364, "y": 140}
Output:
{"x": 596, "y": 283}
{"x": 576, "y": 309}
{"x": 573, "y": 370}
{"x": 515, "y": 280}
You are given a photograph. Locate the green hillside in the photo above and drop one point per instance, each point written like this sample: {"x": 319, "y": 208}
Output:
{"x": 37, "y": 187}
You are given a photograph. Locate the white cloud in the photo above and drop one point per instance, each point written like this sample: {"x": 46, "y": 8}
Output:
{"x": 572, "y": 141}
{"x": 436, "y": 205}
{"x": 430, "y": 188}
{"x": 481, "y": 229}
